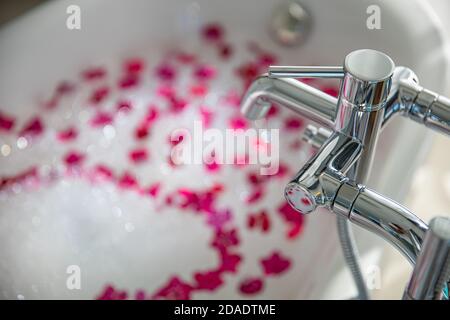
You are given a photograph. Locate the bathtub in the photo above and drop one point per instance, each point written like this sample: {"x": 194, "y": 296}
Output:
{"x": 91, "y": 207}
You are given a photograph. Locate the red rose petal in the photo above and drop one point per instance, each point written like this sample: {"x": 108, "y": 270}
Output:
{"x": 175, "y": 289}
{"x": 101, "y": 119}
{"x": 74, "y": 158}
{"x": 198, "y": 90}
{"x": 218, "y": 219}
{"x": 266, "y": 60}
{"x": 166, "y": 72}
{"x": 255, "y": 196}
{"x": 138, "y": 155}
{"x": 64, "y": 88}
{"x": 32, "y": 128}
{"x": 67, "y": 135}
{"x": 99, "y": 95}
{"x": 6, "y": 122}
{"x": 238, "y": 122}
{"x": 154, "y": 189}
{"x": 229, "y": 262}
{"x": 185, "y": 58}
{"x": 124, "y": 106}
{"x": 152, "y": 114}
{"x": 251, "y": 286}
{"x": 293, "y": 124}
{"x": 275, "y": 264}
{"x": 140, "y": 295}
{"x": 28, "y": 175}
{"x": 332, "y": 91}
{"x": 256, "y": 179}
{"x": 259, "y": 220}
{"x": 225, "y": 239}
{"x": 141, "y": 132}
{"x": 134, "y": 65}
{"x": 129, "y": 81}
{"x": 177, "y": 104}
{"x": 204, "y": 72}
{"x": 212, "y": 165}
{"x": 175, "y": 140}
{"x": 127, "y": 181}
{"x": 207, "y": 116}
{"x": 225, "y": 51}
{"x": 93, "y": 73}
{"x": 293, "y": 219}
{"x": 273, "y": 111}
{"x": 213, "y": 32}
{"x": 102, "y": 172}
{"x": 248, "y": 71}
{"x": 208, "y": 280}
{"x": 165, "y": 91}
{"x": 110, "y": 293}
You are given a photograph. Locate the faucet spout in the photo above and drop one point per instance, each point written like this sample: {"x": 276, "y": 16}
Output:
{"x": 292, "y": 94}
{"x": 393, "y": 222}
{"x": 324, "y": 182}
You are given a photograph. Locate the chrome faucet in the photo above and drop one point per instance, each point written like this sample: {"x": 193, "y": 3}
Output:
{"x": 372, "y": 92}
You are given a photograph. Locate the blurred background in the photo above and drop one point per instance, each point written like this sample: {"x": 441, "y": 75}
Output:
{"x": 429, "y": 194}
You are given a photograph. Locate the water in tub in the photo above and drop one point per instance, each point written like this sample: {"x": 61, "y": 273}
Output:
{"x": 94, "y": 205}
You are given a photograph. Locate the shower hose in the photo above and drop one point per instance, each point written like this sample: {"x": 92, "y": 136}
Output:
{"x": 351, "y": 256}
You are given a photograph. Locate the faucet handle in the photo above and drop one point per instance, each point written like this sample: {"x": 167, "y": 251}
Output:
{"x": 306, "y": 72}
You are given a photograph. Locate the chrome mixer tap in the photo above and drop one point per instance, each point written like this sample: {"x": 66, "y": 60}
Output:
{"x": 372, "y": 92}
